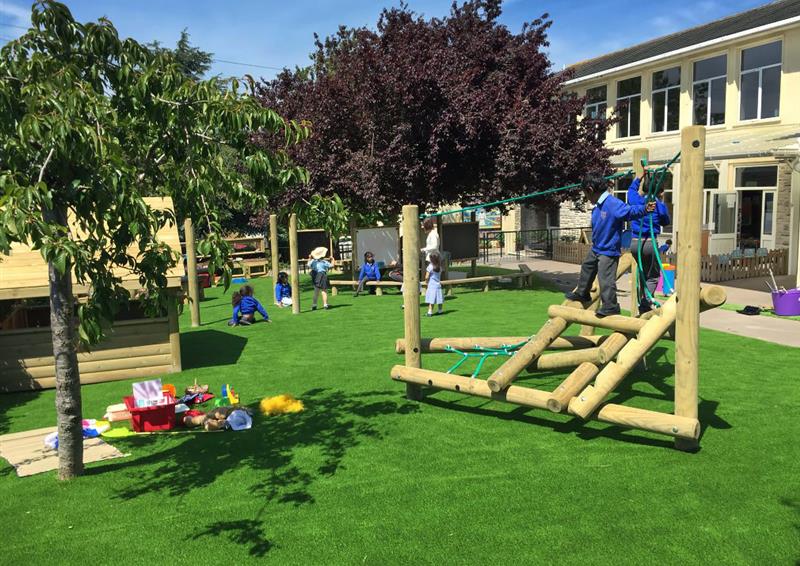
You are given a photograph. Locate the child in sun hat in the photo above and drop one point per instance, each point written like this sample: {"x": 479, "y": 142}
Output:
{"x": 319, "y": 275}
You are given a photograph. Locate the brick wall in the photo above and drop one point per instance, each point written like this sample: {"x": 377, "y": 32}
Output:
{"x": 572, "y": 217}
{"x": 783, "y": 207}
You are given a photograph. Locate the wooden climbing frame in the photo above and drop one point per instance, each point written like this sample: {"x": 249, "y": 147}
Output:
{"x": 600, "y": 363}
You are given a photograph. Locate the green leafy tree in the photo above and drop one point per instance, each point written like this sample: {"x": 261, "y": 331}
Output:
{"x": 192, "y": 61}
{"x": 89, "y": 125}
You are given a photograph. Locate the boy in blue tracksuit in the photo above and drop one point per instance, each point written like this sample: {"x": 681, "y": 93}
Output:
{"x": 608, "y": 219}
{"x": 245, "y": 305}
{"x": 369, "y": 272}
{"x": 649, "y": 270}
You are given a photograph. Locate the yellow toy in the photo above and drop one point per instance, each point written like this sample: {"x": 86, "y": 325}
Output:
{"x": 280, "y": 404}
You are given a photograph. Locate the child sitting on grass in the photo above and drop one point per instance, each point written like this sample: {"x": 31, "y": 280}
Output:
{"x": 433, "y": 275}
{"x": 245, "y": 306}
{"x": 283, "y": 291}
{"x": 369, "y": 272}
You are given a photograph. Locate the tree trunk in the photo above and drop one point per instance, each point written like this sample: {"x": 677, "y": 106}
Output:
{"x": 68, "y": 383}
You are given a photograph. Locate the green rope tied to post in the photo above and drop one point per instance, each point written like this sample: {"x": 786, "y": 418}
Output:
{"x": 627, "y": 173}
{"x": 652, "y": 192}
{"x": 484, "y": 354}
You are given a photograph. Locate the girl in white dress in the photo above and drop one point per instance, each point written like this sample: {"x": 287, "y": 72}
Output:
{"x": 433, "y": 296}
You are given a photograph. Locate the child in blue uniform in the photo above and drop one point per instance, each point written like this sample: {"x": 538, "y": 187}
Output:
{"x": 319, "y": 275}
{"x": 369, "y": 272}
{"x": 664, "y": 248}
{"x": 283, "y": 291}
{"x": 433, "y": 296}
{"x": 641, "y": 229}
{"x": 245, "y": 305}
{"x": 608, "y": 219}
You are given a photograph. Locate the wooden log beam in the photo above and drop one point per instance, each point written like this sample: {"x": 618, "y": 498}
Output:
{"x": 612, "y": 374}
{"x": 663, "y": 423}
{"x": 191, "y": 271}
{"x": 440, "y": 345}
{"x": 617, "y": 322}
{"x": 294, "y": 266}
{"x": 411, "y": 318}
{"x": 273, "y": 247}
{"x": 566, "y": 359}
{"x": 574, "y": 384}
{"x": 687, "y": 351}
{"x": 509, "y": 371}
{"x": 514, "y": 394}
{"x": 585, "y": 373}
{"x": 612, "y": 346}
{"x": 651, "y": 421}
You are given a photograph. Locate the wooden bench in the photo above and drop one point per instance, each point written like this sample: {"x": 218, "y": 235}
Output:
{"x": 527, "y": 278}
{"x": 447, "y": 283}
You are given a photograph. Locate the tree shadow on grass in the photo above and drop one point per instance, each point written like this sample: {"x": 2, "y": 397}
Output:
{"x": 656, "y": 375}
{"x": 210, "y": 348}
{"x": 10, "y": 401}
{"x": 264, "y": 456}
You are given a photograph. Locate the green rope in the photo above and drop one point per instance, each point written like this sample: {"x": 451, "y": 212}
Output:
{"x": 523, "y": 197}
{"x": 652, "y": 192}
{"x": 484, "y": 354}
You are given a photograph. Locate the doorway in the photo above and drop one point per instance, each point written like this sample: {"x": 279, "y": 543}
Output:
{"x": 750, "y": 216}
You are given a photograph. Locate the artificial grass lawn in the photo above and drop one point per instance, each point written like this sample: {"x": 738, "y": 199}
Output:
{"x": 764, "y": 312}
{"x": 366, "y": 476}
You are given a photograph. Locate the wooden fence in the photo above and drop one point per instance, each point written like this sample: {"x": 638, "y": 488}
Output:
{"x": 570, "y": 252}
{"x": 713, "y": 268}
{"x": 716, "y": 268}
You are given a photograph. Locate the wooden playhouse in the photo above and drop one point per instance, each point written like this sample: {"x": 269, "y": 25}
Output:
{"x": 136, "y": 347}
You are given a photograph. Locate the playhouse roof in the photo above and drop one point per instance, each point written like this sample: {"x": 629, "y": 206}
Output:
{"x": 23, "y": 273}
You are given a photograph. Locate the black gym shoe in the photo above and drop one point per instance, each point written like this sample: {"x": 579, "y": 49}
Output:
{"x": 603, "y": 314}
{"x": 573, "y": 296}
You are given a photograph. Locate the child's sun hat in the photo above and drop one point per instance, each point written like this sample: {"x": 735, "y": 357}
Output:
{"x": 319, "y": 253}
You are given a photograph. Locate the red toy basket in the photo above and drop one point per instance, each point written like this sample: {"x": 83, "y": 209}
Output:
{"x": 151, "y": 419}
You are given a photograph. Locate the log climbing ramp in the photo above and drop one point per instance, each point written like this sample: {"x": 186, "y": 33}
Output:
{"x": 599, "y": 364}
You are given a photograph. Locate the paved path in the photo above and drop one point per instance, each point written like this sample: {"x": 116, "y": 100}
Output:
{"x": 767, "y": 328}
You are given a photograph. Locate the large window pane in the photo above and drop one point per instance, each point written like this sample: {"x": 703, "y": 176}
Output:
{"x": 769, "y": 203}
{"x": 629, "y": 87}
{"x": 635, "y": 115}
{"x": 761, "y": 56}
{"x": 718, "y": 87}
{"x": 762, "y": 176}
{"x": 749, "y": 88}
{"x": 673, "y": 109}
{"x": 659, "y": 101}
{"x": 725, "y": 213}
{"x": 597, "y": 94}
{"x": 700, "y": 104}
{"x": 667, "y": 78}
{"x": 623, "y": 124}
{"x": 770, "y": 92}
{"x": 710, "y": 68}
{"x": 710, "y": 179}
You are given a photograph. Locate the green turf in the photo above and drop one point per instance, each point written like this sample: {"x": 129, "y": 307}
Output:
{"x": 364, "y": 476}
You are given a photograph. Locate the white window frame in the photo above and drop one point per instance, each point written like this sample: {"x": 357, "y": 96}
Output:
{"x": 708, "y": 86}
{"x": 628, "y": 98}
{"x": 760, "y": 71}
{"x": 666, "y": 90}
{"x": 596, "y": 105}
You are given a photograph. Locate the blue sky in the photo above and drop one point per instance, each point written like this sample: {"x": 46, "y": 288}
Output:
{"x": 278, "y": 33}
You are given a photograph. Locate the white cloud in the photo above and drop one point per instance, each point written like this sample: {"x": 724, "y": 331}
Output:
{"x": 17, "y": 14}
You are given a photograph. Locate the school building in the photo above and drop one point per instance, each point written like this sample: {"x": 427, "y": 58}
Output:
{"x": 739, "y": 77}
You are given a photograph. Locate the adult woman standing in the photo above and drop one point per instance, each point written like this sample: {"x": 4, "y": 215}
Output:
{"x": 432, "y": 238}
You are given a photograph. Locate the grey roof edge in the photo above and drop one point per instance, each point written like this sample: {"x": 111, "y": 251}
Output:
{"x": 776, "y": 13}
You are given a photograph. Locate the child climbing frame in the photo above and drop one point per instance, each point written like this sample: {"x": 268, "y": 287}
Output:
{"x": 601, "y": 362}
